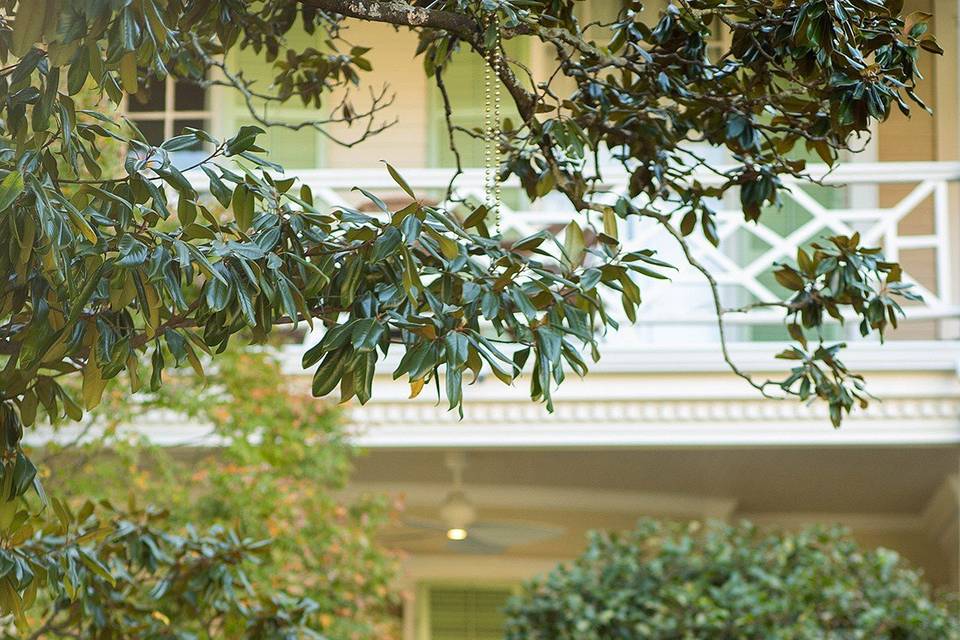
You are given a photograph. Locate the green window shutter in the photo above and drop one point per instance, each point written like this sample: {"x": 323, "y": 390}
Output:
{"x": 458, "y": 613}
{"x": 302, "y": 149}
{"x": 465, "y": 86}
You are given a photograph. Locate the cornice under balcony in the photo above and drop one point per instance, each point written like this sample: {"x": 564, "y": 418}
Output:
{"x": 673, "y": 423}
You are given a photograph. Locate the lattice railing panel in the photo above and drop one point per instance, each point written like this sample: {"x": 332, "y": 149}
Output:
{"x": 742, "y": 261}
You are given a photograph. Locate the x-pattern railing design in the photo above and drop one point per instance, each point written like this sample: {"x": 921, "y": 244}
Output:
{"x": 878, "y": 226}
{"x": 740, "y": 273}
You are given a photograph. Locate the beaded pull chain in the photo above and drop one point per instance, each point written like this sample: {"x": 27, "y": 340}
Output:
{"x": 492, "y": 121}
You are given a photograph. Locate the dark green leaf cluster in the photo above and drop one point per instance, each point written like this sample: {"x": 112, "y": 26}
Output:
{"x": 104, "y": 572}
{"x": 832, "y": 276}
{"x": 103, "y": 272}
{"x": 795, "y": 75}
{"x": 766, "y": 83}
{"x": 845, "y": 274}
{"x": 721, "y": 581}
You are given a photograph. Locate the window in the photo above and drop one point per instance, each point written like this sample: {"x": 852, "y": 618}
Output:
{"x": 165, "y": 108}
{"x": 463, "y": 613}
{"x": 465, "y": 86}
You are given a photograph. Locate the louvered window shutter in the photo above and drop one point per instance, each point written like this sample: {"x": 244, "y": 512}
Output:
{"x": 467, "y": 613}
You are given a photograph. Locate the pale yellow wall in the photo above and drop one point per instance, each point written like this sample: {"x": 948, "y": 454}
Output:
{"x": 914, "y": 138}
{"x": 921, "y": 136}
{"x": 392, "y": 57}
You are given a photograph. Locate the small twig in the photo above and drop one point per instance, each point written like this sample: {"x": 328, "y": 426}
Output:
{"x": 448, "y": 118}
{"x": 718, "y": 307}
{"x": 379, "y": 102}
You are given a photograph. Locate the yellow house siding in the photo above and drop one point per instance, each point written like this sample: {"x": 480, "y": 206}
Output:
{"x": 392, "y": 57}
{"x": 904, "y": 138}
{"x": 915, "y": 138}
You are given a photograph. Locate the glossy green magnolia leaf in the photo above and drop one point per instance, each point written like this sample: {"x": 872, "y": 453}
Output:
{"x": 128, "y": 72}
{"x": 400, "y": 181}
{"x": 573, "y": 244}
{"x": 245, "y": 140}
{"x": 366, "y": 335}
{"x": 28, "y": 26}
{"x": 10, "y": 188}
{"x": 243, "y": 206}
{"x": 329, "y": 374}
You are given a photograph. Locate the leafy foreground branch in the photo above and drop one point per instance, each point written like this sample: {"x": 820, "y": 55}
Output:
{"x": 121, "y": 574}
{"x": 134, "y": 272}
{"x": 118, "y": 573}
{"x": 154, "y": 579}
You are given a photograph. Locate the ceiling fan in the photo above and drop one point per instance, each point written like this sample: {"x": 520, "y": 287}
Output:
{"x": 465, "y": 532}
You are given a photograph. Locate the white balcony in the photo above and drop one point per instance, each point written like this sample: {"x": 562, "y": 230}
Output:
{"x": 909, "y": 209}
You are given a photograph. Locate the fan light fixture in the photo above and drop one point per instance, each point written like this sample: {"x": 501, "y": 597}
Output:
{"x": 458, "y": 521}
{"x": 457, "y": 534}
{"x": 457, "y": 512}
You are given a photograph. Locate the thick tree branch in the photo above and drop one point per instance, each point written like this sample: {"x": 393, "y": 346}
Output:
{"x": 400, "y": 14}
{"x": 459, "y": 24}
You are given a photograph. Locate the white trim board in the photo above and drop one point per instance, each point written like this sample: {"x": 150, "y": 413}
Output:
{"x": 611, "y": 418}
{"x": 589, "y": 434}
{"x": 867, "y": 356}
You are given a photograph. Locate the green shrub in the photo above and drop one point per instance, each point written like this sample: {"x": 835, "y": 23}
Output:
{"x": 722, "y": 581}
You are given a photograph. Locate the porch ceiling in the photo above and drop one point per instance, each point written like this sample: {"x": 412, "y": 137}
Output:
{"x": 901, "y": 498}
{"x": 804, "y": 480}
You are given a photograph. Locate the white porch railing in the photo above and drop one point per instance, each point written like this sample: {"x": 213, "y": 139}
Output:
{"x": 911, "y": 210}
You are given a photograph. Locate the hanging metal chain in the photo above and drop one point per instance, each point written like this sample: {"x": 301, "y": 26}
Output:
{"x": 491, "y": 119}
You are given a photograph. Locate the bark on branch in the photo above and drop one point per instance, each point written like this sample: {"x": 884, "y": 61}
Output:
{"x": 401, "y": 14}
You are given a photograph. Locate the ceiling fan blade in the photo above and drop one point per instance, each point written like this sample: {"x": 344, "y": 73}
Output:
{"x": 473, "y": 546}
{"x": 400, "y": 537}
{"x": 508, "y": 533}
{"x": 423, "y": 523}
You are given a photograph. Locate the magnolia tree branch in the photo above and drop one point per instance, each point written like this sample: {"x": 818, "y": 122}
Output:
{"x": 400, "y": 14}
{"x": 451, "y": 129}
{"x": 718, "y": 308}
{"x": 406, "y": 15}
